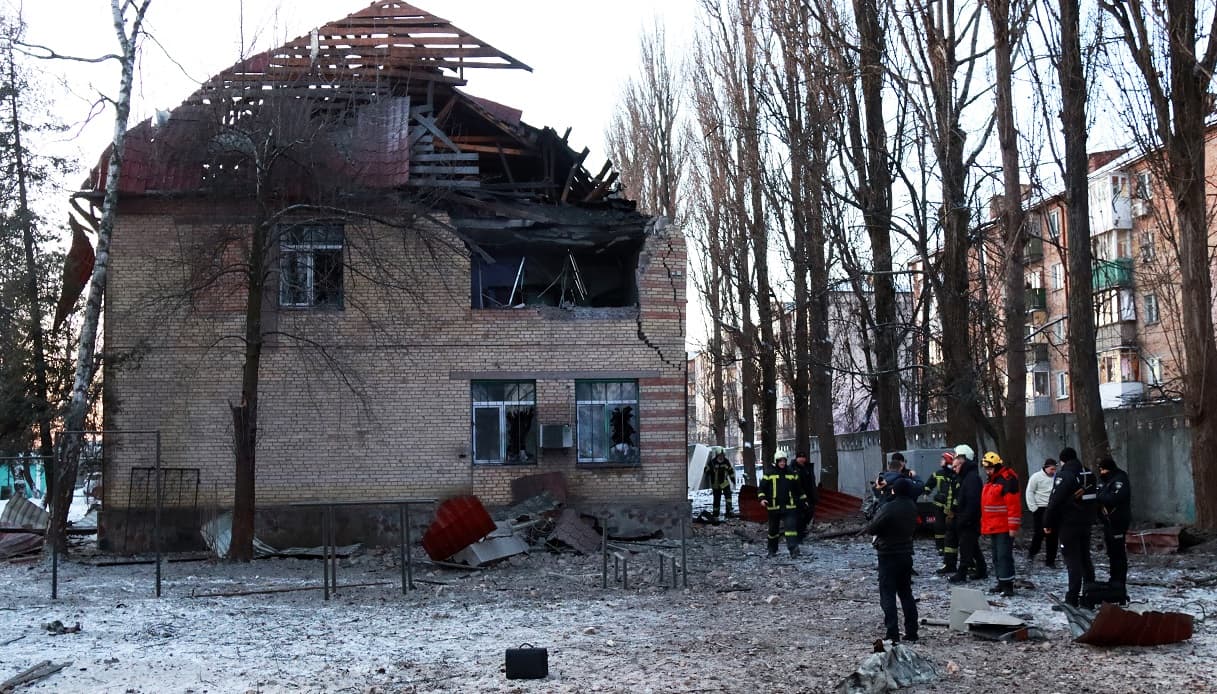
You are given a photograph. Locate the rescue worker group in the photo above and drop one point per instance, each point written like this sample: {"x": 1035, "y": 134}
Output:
{"x": 1064, "y": 498}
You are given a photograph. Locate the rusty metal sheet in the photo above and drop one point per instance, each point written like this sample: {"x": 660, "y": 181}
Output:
{"x": 20, "y": 512}
{"x": 17, "y": 544}
{"x": 459, "y": 522}
{"x": 1153, "y": 541}
{"x": 834, "y": 505}
{"x": 750, "y": 508}
{"x": 1114, "y": 626}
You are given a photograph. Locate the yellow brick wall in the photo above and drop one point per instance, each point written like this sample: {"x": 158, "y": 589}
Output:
{"x": 376, "y": 406}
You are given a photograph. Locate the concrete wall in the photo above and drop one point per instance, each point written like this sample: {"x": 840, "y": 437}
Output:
{"x": 1152, "y": 443}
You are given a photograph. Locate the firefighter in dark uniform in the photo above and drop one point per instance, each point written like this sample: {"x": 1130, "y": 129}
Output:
{"x": 941, "y": 490}
{"x": 721, "y": 475}
{"x": 782, "y": 497}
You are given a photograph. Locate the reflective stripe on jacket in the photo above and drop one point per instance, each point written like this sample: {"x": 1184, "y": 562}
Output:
{"x": 781, "y": 490}
{"x": 1001, "y": 509}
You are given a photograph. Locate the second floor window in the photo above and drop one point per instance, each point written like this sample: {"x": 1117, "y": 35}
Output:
{"x": 1058, "y": 276}
{"x": 1151, "y": 309}
{"x": 310, "y": 266}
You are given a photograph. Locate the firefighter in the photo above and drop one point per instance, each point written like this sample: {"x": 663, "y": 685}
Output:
{"x": 782, "y": 498}
{"x": 1001, "y": 516}
{"x": 721, "y": 475}
{"x": 941, "y": 490}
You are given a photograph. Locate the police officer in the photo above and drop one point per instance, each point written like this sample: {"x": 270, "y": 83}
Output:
{"x": 721, "y": 475}
{"x": 941, "y": 490}
{"x": 807, "y": 483}
{"x": 893, "y": 527}
{"x": 782, "y": 497}
{"x": 1068, "y": 519}
{"x": 1115, "y": 501}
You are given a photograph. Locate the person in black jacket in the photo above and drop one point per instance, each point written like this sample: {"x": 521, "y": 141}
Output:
{"x": 893, "y": 527}
{"x": 1068, "y": 519}
{"x": 1115, "y": 501}
{"x": 807, "y": 483}
{"x": 967, "y": 519}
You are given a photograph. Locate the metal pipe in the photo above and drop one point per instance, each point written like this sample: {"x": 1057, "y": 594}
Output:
{"x": 684, "y": 550}
{"x": 603, "y": 553}
{"x": 156, "y": 516}
{"x": 409, "y": 551}
{"x": 401, "y": 539}
{"x": 325, "y": 555}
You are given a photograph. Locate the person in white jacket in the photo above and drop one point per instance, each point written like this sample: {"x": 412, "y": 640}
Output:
{"x": 1039, "y": 488}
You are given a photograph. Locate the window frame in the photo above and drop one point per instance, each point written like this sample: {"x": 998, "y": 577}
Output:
{"x": 631, "y": 457}
{"x": 1054, "y": 225}
{"x": 1062, "y": 385}
{"x": 502, "y": 406}
{"x": 1152, "y": 314}
{"x": 313, "y": 238}
{"x": 1058, "y": 276}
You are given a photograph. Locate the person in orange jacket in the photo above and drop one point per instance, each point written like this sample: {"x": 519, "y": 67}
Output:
{"x": 1001, "y": 516}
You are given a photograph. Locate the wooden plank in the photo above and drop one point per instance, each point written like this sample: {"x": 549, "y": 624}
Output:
{"x": 446, "y": 156}
{"x": 446, "y": 170}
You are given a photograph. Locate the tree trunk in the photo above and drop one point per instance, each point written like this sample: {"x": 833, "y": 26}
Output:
{"x": 1014, "y": 451}
{"x": 877, "y": 216}
{"x": 245, "y": 414}
{"x": 1083, "y": 363}
{"x": 86, "y": 366}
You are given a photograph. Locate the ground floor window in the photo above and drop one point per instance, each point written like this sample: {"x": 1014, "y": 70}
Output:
{"x": 607, "y": 421}
{"x": 504, "y": 422}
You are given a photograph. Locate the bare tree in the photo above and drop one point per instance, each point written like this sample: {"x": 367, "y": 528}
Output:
{"x": 128, "y": 19}
{"x": 1163, "y": 41}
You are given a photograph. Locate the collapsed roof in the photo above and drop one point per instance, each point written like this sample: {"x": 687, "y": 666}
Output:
{"x": 376, "y": 98}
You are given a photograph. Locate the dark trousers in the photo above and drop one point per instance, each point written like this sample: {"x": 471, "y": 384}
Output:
{"x": 719, "y": 494}
{"x": 1038, "y": 537}
{"x": 1117, "y": 555}
{"x": 1003, "y": 556}
{"x": 940, "y": 530}
{"x": 1075, "y": 550}
{"x": 806, "y": 513}
{"x": 896, "y": 580}
{"x": 970, "y": 557}
{"x": 783, "y": 521}
{"x": 950, "y": 544}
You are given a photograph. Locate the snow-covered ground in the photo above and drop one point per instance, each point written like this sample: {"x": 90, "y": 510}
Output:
{"x": 745, "y": 624}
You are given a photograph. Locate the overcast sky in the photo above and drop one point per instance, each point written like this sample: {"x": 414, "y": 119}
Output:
{"x": 581, "y": 52}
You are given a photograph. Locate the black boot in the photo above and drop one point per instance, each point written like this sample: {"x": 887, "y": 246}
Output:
{"x": 1006, "y": 588}
{"x": 959, "y": 577}
{"x": 948, "y": 565}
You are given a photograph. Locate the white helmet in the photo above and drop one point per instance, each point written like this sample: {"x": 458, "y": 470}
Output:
{"x": 781, "y": 454}
{"x": 966, "y": 451}
{"x": 716, "y": 450}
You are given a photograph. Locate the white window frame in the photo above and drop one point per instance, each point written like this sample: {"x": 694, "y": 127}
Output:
{"x": 1058, "y": 276}
{"x": 591, "y": 415}
{"x": 1054, "y": 225}
{"x": 1153, "y": 371}
{"x": 1062, "y": 385}
{"x": 1151, "y": 309}
{"x": 304, "y": 249}
{"x": 502, "y": 407}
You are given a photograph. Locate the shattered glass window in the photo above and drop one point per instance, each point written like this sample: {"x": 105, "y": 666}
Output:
{"x": 310, "y": 266}
{"x": 504, "y": 422}
{"x": 607, "y": 421}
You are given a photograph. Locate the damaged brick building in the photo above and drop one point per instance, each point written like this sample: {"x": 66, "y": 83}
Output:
{"x": 449, "y": 299}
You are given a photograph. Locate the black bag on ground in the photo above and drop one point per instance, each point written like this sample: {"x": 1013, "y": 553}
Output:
{"x": 1097, "y": 593}
{"x": 527, "y": 663}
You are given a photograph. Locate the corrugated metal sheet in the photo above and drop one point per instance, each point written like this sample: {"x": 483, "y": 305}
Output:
{"x": 1113, "y": 626}
{"x": 459, "y": 522}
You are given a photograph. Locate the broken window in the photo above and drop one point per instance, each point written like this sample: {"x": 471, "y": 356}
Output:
{"x": 607, "y": 421}
{"x": 552, "y": 274}
{"x": 310, "y": 266}
{"x": 504, "y": 422}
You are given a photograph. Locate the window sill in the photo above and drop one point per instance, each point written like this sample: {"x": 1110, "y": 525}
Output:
{"x": 607, "y": 466}
{"x": 482, "y": 463}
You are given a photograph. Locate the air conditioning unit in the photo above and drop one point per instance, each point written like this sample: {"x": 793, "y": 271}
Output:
{"x": 556, "y": 436}
{"x": 1140, "y": 208}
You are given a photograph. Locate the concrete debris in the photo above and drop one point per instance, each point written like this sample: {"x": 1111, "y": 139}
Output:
{"x": 550, "y": 484}
{"x": 573, "y": 531}
{"x": 533, "y": 507}
{"x": 891, "y": 667}
{"x": 58, "y": 628}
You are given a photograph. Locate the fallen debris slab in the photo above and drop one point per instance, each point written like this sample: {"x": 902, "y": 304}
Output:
{"x": 19, "y": 544}
{"x": 20, "y": 512}
{"x": 32, "y": 674}
{"x": 572, "y": 531}
{"x": 1115, "y": 626}
{"x": 1154, "y": 541}
{"x": 892, "y": 666}
{"x": 58, "y": 628}
{"x": 490, "y": 550}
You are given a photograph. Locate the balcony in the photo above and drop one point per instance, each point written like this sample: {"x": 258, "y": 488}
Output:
{"x": 1109, "y": 274}
{"x": 1037, "y": 299}
{"x": 1033, "y": 252}
{"x": 1115, "y": 335}
{"x": 1039, "y": 405}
